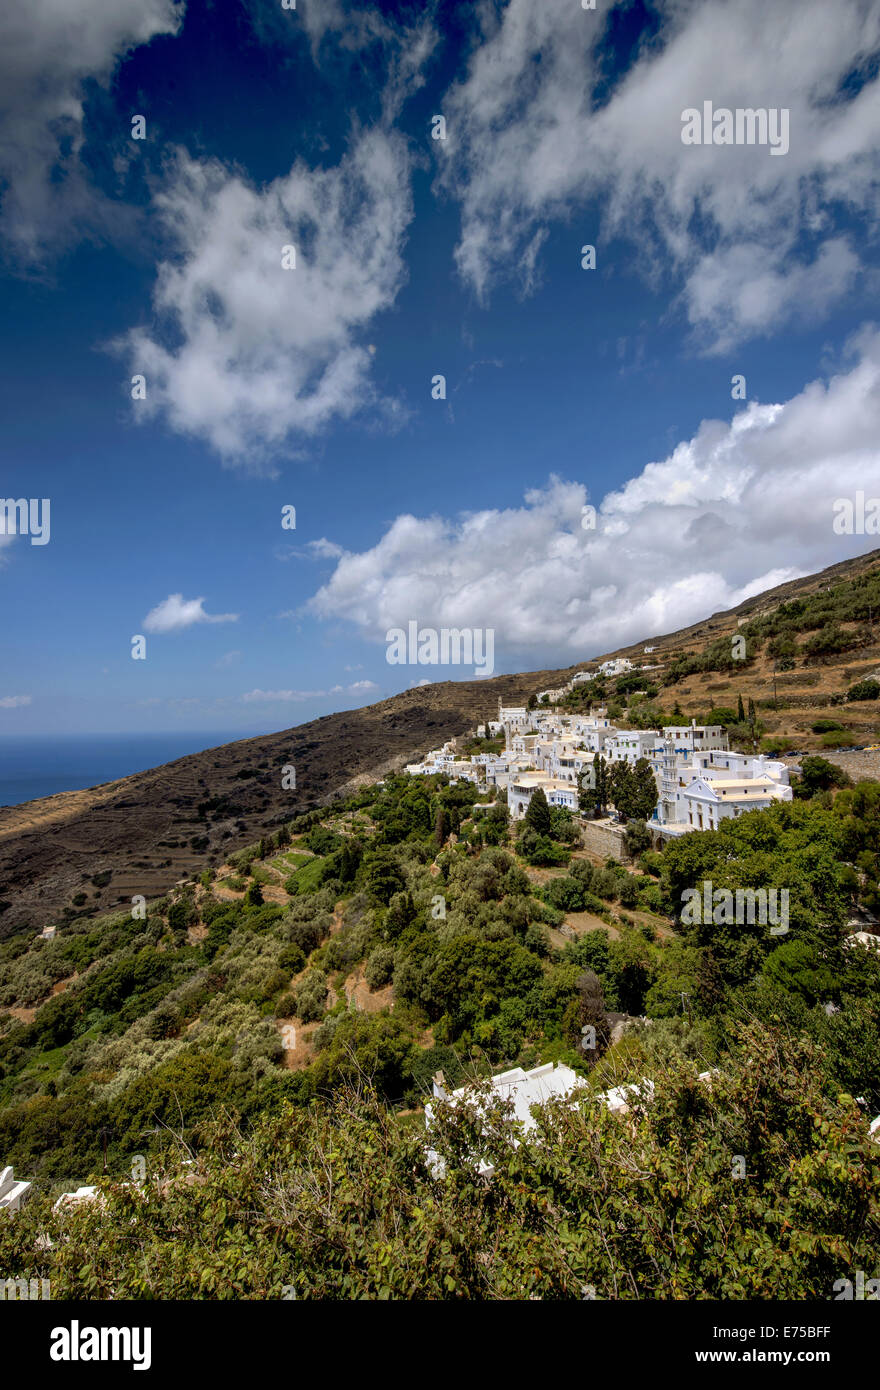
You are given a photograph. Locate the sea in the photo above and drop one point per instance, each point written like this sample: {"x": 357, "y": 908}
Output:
{"x": 33, "y": 765}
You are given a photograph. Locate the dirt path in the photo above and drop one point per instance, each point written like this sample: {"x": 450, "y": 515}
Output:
{"x": 358, "y": 992}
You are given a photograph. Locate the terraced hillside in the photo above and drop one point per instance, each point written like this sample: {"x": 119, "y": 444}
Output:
{"x": 79, "y": 853}
{"x": 86, "y": 851}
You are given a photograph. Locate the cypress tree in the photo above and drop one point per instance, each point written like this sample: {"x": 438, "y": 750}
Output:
{"x": 538, "y": 812}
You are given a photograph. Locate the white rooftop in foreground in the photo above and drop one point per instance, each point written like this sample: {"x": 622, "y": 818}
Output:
{"x": 526, "y": 1089}
{"x": 523, "y": 1088}
{"x": 73, "y": 1199}
{"x": 12, "y": 1190}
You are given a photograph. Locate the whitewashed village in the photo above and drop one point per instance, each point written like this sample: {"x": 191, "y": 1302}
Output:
{"x": 700, "y": 780}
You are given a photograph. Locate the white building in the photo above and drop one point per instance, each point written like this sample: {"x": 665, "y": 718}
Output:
{"x": 722, "y": 763}
{"x": 675, "y": 771}
{"x": 514, "y": 718}
{"x": 13, "y": 1191}
{"x": 628, "y": 745}
{"x": 551, "y": 697}
{"x": 73, "y": 1199}
{"x": 618, "y": 667}
{"x": 522, "y": 787}
{"x": 525, "y": 1089}
{"x": 696, "y": 738}
{"x": 710, "y": 800}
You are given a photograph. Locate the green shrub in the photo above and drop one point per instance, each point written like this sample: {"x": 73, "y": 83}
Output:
{"x": 868, "y": 689}
{"x": 379, "y": 967}
{"x": 311, "y": 996}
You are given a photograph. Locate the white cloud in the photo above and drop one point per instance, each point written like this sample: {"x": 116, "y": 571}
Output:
{"x": 228, "y": 659}
{"x": 175, "y": 613}
{"x": 48, "y": 49}
{"x": 272, "y": 696}
{"x": 14, "y": 701}
{"x": 738, "y": 508}
{"x": 326, "y": 550}
{"x": 268, "y": 696}
{"x": 533, "y": 136}
{"x": 258, "y": 353}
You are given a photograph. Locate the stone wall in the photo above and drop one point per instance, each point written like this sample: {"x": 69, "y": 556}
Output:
{"x": 603, "y": 840}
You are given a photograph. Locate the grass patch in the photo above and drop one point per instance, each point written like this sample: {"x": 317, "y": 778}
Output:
{"x": 306, "y": 879}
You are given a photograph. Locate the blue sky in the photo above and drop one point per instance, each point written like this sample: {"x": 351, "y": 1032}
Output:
{"x": 311, "y": 387}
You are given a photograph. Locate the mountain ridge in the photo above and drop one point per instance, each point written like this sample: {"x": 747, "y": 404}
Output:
{"x": 144, "y": 832}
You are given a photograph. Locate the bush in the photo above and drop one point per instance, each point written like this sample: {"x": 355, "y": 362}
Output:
{"x": 651, "y": 862}
{"x": 818, "y": 774}
{"x": 568, "y": 894}
{"x": 379, "y": 967}
{"x": 837, "y": 740}
{"x": 637, "y": 838}
{"x": 543, "y": 853}
{"x": 629, "y": 891}
{"x": 311, "y": 996}
{"x": 868, "y": 689}
{"x": 606, "y": 884}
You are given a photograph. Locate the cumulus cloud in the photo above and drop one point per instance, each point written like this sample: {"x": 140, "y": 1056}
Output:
{"x": 175, "y": 613}
{"x": 246, "y": 353}
{"x": 48, "y": 50}
{"x": 534, "y": 133}
{"x": 738, "y": 508}
{"x": 14, "y": 701}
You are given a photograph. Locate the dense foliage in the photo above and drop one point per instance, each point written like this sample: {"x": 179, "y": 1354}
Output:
{"x": 409, "y": 929}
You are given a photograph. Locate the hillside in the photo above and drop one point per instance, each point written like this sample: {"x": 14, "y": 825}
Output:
{"x": 79, "y": 853}
{"x": 255, "y": 1053}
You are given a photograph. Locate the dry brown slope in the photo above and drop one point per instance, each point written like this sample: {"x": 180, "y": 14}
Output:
{"x": 50, "y": 849}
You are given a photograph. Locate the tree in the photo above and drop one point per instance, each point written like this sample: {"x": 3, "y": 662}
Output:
{"x": 722, "y": 714}
{"x": 644, "y": 791}
{"x": 629, "y": 791}
{"x": 254, "y": 896}
{"x": 637, "y": 838}
{"x": 818, "y": 774}
{"x": 740, "y": 712}
{"x": 538, "y": 813}
{"x": 382, "y": 877}
{"x": 441, "y": 827}
{"x": 592, "y": 799}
